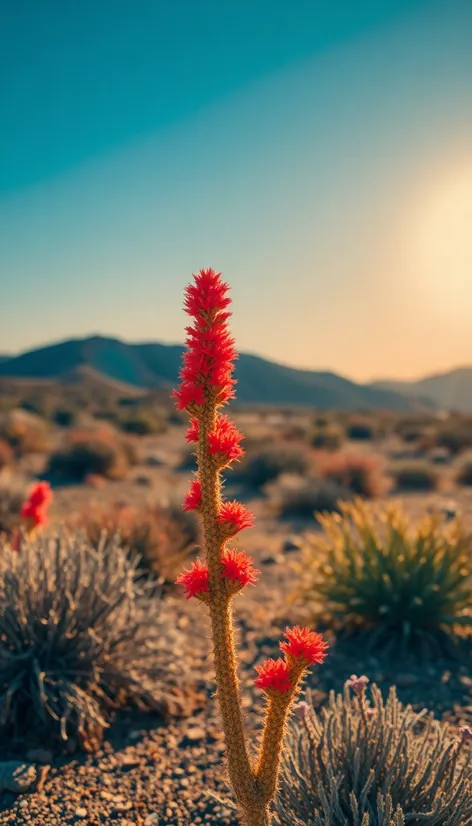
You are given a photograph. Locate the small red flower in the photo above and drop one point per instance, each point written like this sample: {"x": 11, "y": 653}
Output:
{"x": 36, "y": 505}
{"x": 193, "y": 498}
{"x": 195, "y": 579}
{"x": 238, "y": 566}
{"x": 226, "y": 440}
{"x": 193, "y": 431}
{"x": 235, "y": 517}
{"x": 303, "y": 645}
{"x": 274, "y": 675}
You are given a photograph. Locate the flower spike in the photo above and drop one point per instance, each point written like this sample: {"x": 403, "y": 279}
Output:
{"x": 206, "y": 383}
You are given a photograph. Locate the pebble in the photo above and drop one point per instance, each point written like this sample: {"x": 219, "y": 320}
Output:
{"x": 292, "y": 543}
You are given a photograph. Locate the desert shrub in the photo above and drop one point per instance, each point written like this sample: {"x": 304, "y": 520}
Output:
{"x": 268, "y": 463}
{"x": 6, "y": 455}
{"x": 328, "y": 438}
{"x": 25, "y": 432}
{"x": 360, "y": 431}
{"x": 464, "y": 476}
{"x": 371, "y": 568}
{"x": 142, "y": 424}
{"x": 415, "y": 475}
{"x": 294, "y": 433}
{"x": 309, "y": 497}
{"x": 161, "y": 536}
{"x": 64, "y": 417}
{"x": 79, "y": 637}
{"x": 411, "y": 428}
{"x": 99, "y": 452}
{"x": 382, "y": 767}
{"x": 456, "y": 436}
{"x": 354, "y": 472}
{"x": 11, "y": 501}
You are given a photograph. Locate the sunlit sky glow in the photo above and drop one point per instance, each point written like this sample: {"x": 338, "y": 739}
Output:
{"x": 320, "y": 157}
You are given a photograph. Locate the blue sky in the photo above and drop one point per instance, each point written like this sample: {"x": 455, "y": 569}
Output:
{"x": 320, "y": 154}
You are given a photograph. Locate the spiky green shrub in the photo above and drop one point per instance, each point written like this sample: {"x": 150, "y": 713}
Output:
{"x": 415, "y": 476}
{"x": 380, "y": 766}
{"x": 268, "y": 463}
{"x": 372, "y": 568}
{"x": 79, "y": 637}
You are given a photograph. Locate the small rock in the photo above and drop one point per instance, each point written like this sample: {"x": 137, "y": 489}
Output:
{"x": 123, "y": 807}
{"x": 154, "y": 461}
{"x": 271, "y": 559}
{"x": 292, "y": 543}
{"x": 130, "y": 761}
{"x": 152, "y": 819}
{"x": 195, "y": 733}
{"x": 17, "y": 777}
{"x": 144, "y": 481}
{"x": 80, "y": 813}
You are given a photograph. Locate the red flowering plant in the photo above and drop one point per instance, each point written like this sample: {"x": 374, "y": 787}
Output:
{"x": 34, "y": 511}
{"x": 207, "y": 383}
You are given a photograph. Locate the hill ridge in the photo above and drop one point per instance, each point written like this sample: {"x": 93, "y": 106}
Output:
{"x": 154, "y": 365}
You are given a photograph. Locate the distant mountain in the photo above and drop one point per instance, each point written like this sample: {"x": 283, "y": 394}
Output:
{"x": 448, "y": 391}
{"x": 154, "y": 366}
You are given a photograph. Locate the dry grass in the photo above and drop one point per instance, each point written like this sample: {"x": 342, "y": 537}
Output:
{"x": 100, "y": 451}
{"x": 161, "y": 537}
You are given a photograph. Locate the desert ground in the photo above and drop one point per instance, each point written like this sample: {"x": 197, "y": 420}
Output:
{"x": 153, "y": 769}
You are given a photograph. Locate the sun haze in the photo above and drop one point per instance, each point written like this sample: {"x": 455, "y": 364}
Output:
{"x": 319, "y": 154}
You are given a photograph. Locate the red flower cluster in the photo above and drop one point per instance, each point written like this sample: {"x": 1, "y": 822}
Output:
{"x": 235, "y": 565}
{"x": 209, "y": 358}
{"x": 238, "y": 567}
{"x": 195, "y": 579}
{"x": 235, "y": 517}
{"x": 36, "y": 505}
{"x": 193, "y": 498}
{"x": 302, "y": 648}
{"x": 274, "y": 675}
{"x": 225, "y": 440}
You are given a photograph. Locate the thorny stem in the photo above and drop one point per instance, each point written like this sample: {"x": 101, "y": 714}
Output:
{"x": 240, "y": 771}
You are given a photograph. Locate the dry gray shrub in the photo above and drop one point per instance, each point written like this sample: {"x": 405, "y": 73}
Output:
{"x": 385, "y": 766}
{"x": 80, "y": 636}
